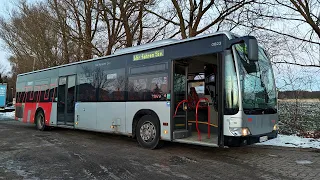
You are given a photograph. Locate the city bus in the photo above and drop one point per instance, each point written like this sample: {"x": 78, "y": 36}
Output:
{"x": 213, "y": 90}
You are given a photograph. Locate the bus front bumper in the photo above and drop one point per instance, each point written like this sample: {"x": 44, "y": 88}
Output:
{"x": 247, "y": 140}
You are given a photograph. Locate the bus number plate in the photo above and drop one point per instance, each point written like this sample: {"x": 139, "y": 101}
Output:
{"x": 263, "y": 138}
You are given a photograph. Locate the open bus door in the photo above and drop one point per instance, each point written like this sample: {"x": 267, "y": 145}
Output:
{"x": 197, "y": 117}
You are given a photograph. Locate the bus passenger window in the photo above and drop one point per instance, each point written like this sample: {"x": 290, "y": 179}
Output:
{"x": 148, "y": 87}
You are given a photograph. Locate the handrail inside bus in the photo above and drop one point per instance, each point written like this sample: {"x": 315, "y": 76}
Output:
{"x": 199, "y": 134}
{"x": 175, "y": 113}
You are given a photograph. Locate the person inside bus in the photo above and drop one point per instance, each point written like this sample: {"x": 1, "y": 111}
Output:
{"x": 193, "y": 98}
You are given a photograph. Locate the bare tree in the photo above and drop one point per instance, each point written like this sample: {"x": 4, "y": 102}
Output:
{"x": 133, "y": 16}
{"x": 287, "y": 29}
{"x": 29, "y": 36}
{"x": 196, "y": 17}
{"x": 113, "y": 26}
{"x": 2, "y": 69}
{"x": 308, "y": 10}
{"x": 62, "y": 28}
{"x": 2, "y": 72}
{"x": 84, "y": 20}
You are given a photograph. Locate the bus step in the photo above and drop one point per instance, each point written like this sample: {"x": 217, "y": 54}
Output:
{"x": 179, "y": 134}
{"x": 180, "y": 116}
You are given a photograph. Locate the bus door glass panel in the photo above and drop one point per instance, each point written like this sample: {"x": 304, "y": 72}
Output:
{"x": 61, "y": 104}
{"x": 70, "y": 100}
{"x": 210, "y": 83}
{"x": 180, "y": 94}
{"x": 180, "y": 83}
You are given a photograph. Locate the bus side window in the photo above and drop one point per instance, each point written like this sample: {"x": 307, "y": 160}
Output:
{"x": 46, "y": 92}
{"x": 31, "y": 93}
{"x": 53, "y": 92}
{"x": 21, "y": 95}
{"x": 53, "y": 89}
{"x": 25, "y": 93}
{"x": 149, "y": 87}
{"x": 38, "y": 93}
{"x": 18, "y": 95}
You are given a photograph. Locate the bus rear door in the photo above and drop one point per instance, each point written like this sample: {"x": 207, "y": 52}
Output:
{"x": 66, "y": 100}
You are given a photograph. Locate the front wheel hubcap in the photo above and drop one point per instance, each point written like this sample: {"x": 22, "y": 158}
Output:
{"x": 148, "y": 131}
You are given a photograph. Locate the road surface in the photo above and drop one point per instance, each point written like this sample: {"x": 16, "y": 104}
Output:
{"x": 26, "y": 153}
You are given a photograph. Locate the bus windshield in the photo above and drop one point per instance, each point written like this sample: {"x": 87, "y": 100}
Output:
{"x": 256, "y": 82}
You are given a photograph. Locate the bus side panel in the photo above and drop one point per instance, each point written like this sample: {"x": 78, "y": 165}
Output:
{"x": 161, "y": 108}
{"x": 53, "y": 115}
{"x": 47, "y": 107}
{"x": 29, "y": 112}
{"x": 111, "y": 116}
{"x": 231, "y": 121}
{"x": 18, "y": 111}
{"x": 86, "y": 115}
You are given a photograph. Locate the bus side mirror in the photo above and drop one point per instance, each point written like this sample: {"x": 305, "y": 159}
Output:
{"x": 252, "y": 45}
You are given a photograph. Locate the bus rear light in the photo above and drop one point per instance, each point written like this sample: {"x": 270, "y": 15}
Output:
{"x": 165, "y": 124}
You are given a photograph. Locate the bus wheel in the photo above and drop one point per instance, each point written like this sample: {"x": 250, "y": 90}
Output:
{"x": 40, "y": 121}
{"x": 148, "y": 132}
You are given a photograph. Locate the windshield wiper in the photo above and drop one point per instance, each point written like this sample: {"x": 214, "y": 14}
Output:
{"x": 260, "y": 110}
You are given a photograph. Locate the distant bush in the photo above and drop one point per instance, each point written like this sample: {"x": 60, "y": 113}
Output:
{"x": 301, "y": 118}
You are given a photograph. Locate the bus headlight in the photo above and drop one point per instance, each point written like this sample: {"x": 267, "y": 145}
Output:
{"x": 276, "y": 127}
{"x": 245, "y": 132}
{"x": 240, "y": 131}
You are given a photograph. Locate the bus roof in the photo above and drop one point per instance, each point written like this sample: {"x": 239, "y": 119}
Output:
{"x": 156, "y": 44}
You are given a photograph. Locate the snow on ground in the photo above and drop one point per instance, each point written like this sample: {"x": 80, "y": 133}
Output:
{"x": 293, "y": 141}
{"x": 6, "y": 115}
{"x": 10, "y": 107}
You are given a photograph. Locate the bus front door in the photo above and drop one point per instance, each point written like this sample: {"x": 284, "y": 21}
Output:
{"x": 66, "y": 100}
{"x": 179, "y": 100}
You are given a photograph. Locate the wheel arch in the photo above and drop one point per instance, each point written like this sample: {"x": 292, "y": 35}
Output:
{"x": 138, "y": 115}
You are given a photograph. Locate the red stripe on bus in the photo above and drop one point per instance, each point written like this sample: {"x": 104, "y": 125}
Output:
{"x": 32, "y": 107}
{"x": 29, "y": 107}
{"x": 47, "y": 107}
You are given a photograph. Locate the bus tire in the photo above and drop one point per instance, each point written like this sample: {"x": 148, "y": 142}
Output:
{"x": 148, "y": 132}
{"x": 40, "y": 121}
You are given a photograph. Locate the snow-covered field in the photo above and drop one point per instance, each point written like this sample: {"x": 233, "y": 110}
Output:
{"x": 293, "y": 141}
